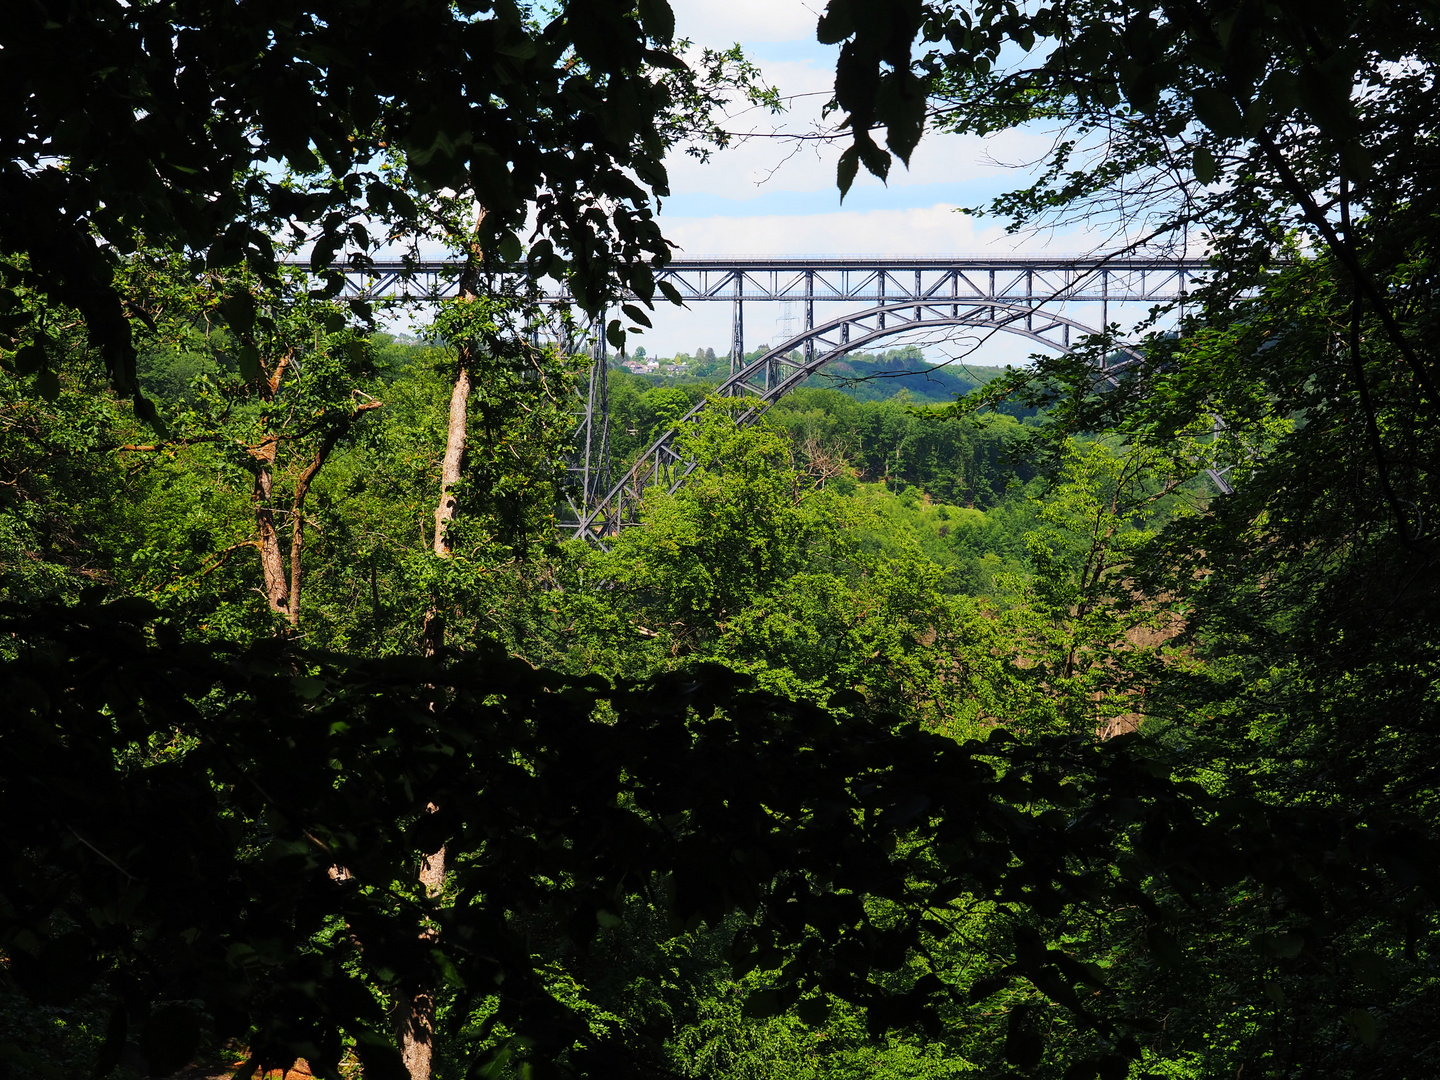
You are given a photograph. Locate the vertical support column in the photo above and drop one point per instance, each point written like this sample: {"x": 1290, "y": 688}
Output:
{"x": 737, "y": 334}
{"x": 809, "y": 314}
{"x": 880, "y": 293}
{"x": 597, "y": 427}
{"x": 582, "y": 437}
{"x": 587, "y": 472}
{"x": 1105, "y": 300}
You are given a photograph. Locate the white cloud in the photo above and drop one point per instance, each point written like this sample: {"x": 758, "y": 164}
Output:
{"x": 786, "y": 153}
{"x": 764, "y": 165}
{"x": 783, "y": 155}
{"x": 750, "y": 21}
{"x": 935, "y": 230}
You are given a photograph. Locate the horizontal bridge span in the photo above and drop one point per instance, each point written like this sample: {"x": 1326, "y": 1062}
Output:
{"x": 866, "y": 279}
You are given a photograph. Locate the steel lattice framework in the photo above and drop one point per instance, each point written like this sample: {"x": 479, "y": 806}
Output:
{"x": 850, "y": 279}
{"x": 891, "y": 295}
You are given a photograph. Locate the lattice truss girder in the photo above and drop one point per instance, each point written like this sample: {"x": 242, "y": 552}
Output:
{"x": 845, "y": 280}
{"x": 1039, "y": 281}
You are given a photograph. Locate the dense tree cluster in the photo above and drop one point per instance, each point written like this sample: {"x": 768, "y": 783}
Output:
{"x": 904, "y": 741}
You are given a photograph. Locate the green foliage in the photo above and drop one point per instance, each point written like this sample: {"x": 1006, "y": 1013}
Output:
{"x": 1090, "y": 642}
{"x": 519, "y": 416}
{"x": 59, "y": 478}
{"x": 804, "y": 776}
{"x": 1074, "y": 603}
{"x": 843, "y": 843}
{"x": 961, "y": 460}
{"x": 868, "y": 377}
{"x": 208, "y": 134}
{"x": 1305, "y": 372}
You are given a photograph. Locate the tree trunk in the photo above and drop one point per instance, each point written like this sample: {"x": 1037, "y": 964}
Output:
{"x": 454, "y": 455}
{"x": 272, "y": 565}
{"x": 417, "y": 1029}
{"x": 433, "y": 635}
{"x": 297, "y": 542}
{"x": 417, "y": 1015}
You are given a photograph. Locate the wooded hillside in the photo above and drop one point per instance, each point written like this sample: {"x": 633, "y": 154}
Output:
{"x": 907, "y": 740}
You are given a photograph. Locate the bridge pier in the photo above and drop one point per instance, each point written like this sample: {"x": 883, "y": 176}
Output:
{"x": 809, "y": 314}
{"x": 737, "y": 335}
{"x": 590, "y": 466}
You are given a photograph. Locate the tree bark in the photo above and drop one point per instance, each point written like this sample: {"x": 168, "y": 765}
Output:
{"x": 417, "y": 1036}
{"x": 272, "y": 565}
{"x": 284, "y": 596}
{"x": 454, "y": 455}
{"x": 417, "y": 1015}
{"x": 433, "y": 635}
{"x": 417, "y": 1031}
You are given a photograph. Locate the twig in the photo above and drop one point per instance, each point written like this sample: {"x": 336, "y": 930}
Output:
{"x": 128, "y": 876}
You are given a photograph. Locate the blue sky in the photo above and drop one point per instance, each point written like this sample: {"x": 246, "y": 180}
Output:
{"x": 769, "y": 195}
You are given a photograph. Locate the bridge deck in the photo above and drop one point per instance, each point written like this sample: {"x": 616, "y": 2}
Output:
{"x": 843, "y": 279}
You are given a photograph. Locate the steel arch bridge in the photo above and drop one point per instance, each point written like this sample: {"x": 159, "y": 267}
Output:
{"x": 890, "y": 295}
{"x": 601, "y": 512}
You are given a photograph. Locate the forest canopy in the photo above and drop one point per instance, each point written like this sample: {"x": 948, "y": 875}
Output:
{"x": 906, "y": 740}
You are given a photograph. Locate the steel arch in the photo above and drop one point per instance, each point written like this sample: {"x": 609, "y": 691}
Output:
{"x": 778, "y": 374}
{"x": 881, "y": 322}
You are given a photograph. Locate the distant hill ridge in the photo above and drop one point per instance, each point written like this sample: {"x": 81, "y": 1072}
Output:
{"x": 862, "y": 376}
{"x": 873, "y": 378}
